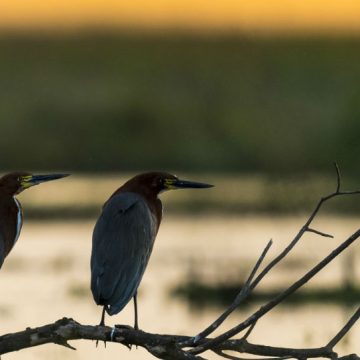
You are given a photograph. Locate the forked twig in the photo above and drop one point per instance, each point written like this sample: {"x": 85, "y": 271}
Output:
{"x": 279, "y": 298}
{"x": 320, "y": 233}
{"x": 344, "y": 330}
{"x": 306, "y": 228}
{"x": 244, "y": 292}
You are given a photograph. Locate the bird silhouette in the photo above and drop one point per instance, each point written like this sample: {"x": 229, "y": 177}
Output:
{"x": 11, "y": 217}
{"x": 124, "y": 236}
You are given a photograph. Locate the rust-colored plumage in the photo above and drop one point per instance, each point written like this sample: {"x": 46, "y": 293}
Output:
{"x": 124, "y": 236}
{"x": 10, "y": 208}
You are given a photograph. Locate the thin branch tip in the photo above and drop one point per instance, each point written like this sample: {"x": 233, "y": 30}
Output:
{"x": 320, "y": 233}
{"x": 67, "y": 345}
{"x": 338, "y": 177}
{"x": 346, "y": 328}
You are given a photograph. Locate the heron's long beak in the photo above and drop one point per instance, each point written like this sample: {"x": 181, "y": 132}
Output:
{"x": 31, "y": 180}
{"x": 185, "y": 184}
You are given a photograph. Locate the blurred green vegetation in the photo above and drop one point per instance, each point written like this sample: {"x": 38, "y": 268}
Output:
{"x": 200, "y": 295}
{"x": 117, "y": 102}
{"x": 83, "y": 196}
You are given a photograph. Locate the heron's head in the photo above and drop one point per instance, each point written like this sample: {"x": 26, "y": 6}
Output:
{"x": 154, "y": 183}
{"x": 15, "y": 182}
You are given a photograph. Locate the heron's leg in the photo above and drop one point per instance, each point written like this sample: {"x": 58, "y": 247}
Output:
{"x": 102, "y": 322}
{"x": 136, "y": 325}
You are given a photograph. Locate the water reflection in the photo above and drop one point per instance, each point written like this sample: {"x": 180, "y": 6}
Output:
{"x": 47, "y": 277}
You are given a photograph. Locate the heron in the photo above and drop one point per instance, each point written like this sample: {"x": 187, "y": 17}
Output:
{"x": 11, "y": 215}
{"x": 124, "y": 236}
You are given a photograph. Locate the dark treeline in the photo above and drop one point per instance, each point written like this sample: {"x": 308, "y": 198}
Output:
{"x": 221, "y": 104}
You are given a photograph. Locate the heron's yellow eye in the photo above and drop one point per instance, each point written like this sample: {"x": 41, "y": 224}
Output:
{"x": 25, "y": 181}
{"x": 169, "y": 184}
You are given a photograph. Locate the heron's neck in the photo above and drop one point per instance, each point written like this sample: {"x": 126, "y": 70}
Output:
{"x": 155, "y": 207}
{"x": 152, "y": 201}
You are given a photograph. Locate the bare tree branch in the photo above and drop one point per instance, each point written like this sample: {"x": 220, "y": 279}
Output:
{"x": 60, "y": 332}
{"x": 345, "y": 329}
{"x": 338, "y": 177}
{"x": 249, "y": 331}
{"x": 231, "y": 357}
{"x": 349, "y": 357}
{"x": 320, "y": 233}
{"x": 279, "y": 298}
{"x": 244, "y": 292}
{"x": 161, "y": 346}
{"x": 263, "y": 350}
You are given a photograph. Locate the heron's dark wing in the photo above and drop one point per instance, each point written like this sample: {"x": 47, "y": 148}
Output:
{"x": 122, "y": 243}
{"x": 8, "y": 227}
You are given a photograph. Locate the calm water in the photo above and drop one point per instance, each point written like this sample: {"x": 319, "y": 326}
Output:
{"x": 47, "y": 277}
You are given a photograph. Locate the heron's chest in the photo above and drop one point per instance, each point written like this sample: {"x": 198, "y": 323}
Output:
{"x": 10, "y": 222}
{"x": 19, "y": 219}
{"x": 154, "y": 225}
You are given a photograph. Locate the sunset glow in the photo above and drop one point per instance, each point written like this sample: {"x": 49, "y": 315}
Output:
{"x": 245, "y": 15}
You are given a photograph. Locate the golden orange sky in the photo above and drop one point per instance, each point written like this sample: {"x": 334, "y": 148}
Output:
{"x": 244, "y": 15}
